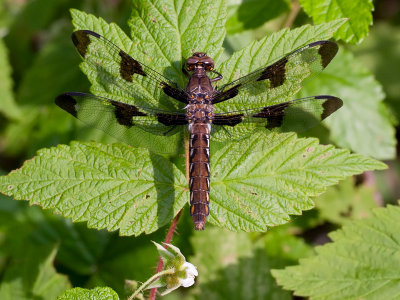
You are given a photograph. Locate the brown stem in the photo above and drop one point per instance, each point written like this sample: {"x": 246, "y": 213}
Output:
{"x": 174, "y": 223}
{"x": 294, "y": 11}
{"x": 167, "y": 240}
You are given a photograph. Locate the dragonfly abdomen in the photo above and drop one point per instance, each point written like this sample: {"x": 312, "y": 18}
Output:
{"x": 199, "y": 173}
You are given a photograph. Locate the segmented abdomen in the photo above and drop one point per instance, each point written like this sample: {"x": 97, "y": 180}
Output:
{"x": 199, "y": 173}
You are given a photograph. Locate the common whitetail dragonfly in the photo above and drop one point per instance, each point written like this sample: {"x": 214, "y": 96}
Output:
{"x": 199, "y": 96}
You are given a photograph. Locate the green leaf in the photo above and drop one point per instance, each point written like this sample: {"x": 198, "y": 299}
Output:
{"x": 359, "y": 14}
{"x": 257, "y": 184}
{"x": 253, "y": 185}
{"x": 32, "y": 275}
{"x": 113, "y": 187}
{"x": 237, "y": 265}
{"x": 253, "y": 13}
{"x": 363, "y": 124}
{"x": 379, "y": 53}
{"x": 103, "y": 293}
{"x": 176, "y": 25}
{"x": 346, "y": 202}
{"x": 361, "y": 263}
{"x": 231, "y": 266}
{"x": 7, "y": 104}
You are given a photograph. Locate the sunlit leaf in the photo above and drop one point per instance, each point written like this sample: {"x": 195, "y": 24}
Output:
{"x": 113, "y": 187}
{"x": 359, "y": 14}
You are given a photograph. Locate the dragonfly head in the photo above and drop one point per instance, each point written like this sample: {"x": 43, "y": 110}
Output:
{"x": 199, "y": 60}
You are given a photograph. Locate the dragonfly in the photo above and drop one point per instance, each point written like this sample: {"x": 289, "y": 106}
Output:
{"x": 199, "y": 96}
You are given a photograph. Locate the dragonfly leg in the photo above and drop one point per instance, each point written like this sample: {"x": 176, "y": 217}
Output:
{"x": 169, "y": 130}
{"x": 185, "y": 72}
{"x": 227, "y": 131}
{"x": 219, "y": 77}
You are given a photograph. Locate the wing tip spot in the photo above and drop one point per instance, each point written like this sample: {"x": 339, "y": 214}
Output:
{"x": 330, "y": 105}
{"x": 67, "y": 102}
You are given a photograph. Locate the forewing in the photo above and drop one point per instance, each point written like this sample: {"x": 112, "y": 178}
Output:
{"x": 296, "y": 115}
{"x": 120, "y": 120}
{"x": 121, "y": 70}
{"x": 284, "y": 77}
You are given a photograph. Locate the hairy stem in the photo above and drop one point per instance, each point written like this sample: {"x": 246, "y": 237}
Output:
{"x": 294, "y": 11}
{"x": 150, "y": 280}
{"x": 167, "y": 240}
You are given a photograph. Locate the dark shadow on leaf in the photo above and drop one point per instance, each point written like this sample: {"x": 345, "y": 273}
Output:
{"x": 164, "y": 184}
{"x": 254, "y": 13}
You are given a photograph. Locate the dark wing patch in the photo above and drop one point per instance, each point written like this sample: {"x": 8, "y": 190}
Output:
{"x": 128, "y": 68}
{"x": 331, "y": 105}
{"x": 171, "y": 119}
{"x": 327, "y": 51}
{"x": 228, "y": 120}
{"x": 81, "y": 40}
{"x": 227, "y": 94}
{"x": 296, "y": 115}
{"x": 116, "y": 118}
{"x": 275, "y": 73}
{"x": 283, "y": 76}
{"x": 124, "y": 113}
{"x": 273, "y": 114}
{"x": 67, "y": 103}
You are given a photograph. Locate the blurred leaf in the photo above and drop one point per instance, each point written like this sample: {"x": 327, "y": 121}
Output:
{"x": 359, "y": 14}
{"x": 23, "y": 38}
{"x": 346, "y": 202}
{"x": 31, "y": 275}
{"x": 44, "y": 124}
{"x": 380, "y": 52}
{"x": 7, "y": 104}
{"x": 233, "y": 266}
{"x": 103, "y": 293}
{"x": 125, "y": 258}
{"x": 250, "y": 14}
{"x": 113, "y": 187}
{"x": 257, "y": 184}
{"x": 57, "y": 61}
{"x": 282, "y": 245}
{"x": 89, "y": 257}
{"x": 79, "y": 247}
{"x": 361, "y": 263}
{"x": 363, "y": 124}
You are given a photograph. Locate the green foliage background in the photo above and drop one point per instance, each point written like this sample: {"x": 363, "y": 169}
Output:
{"x": 43, "y": 254}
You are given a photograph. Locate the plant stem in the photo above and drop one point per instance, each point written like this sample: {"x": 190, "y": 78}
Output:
{"x": 294, "y": 11}
{"x": 167, "y": 240}
{"x": 174, "y": 223}
{"x": 150, "y": 280}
